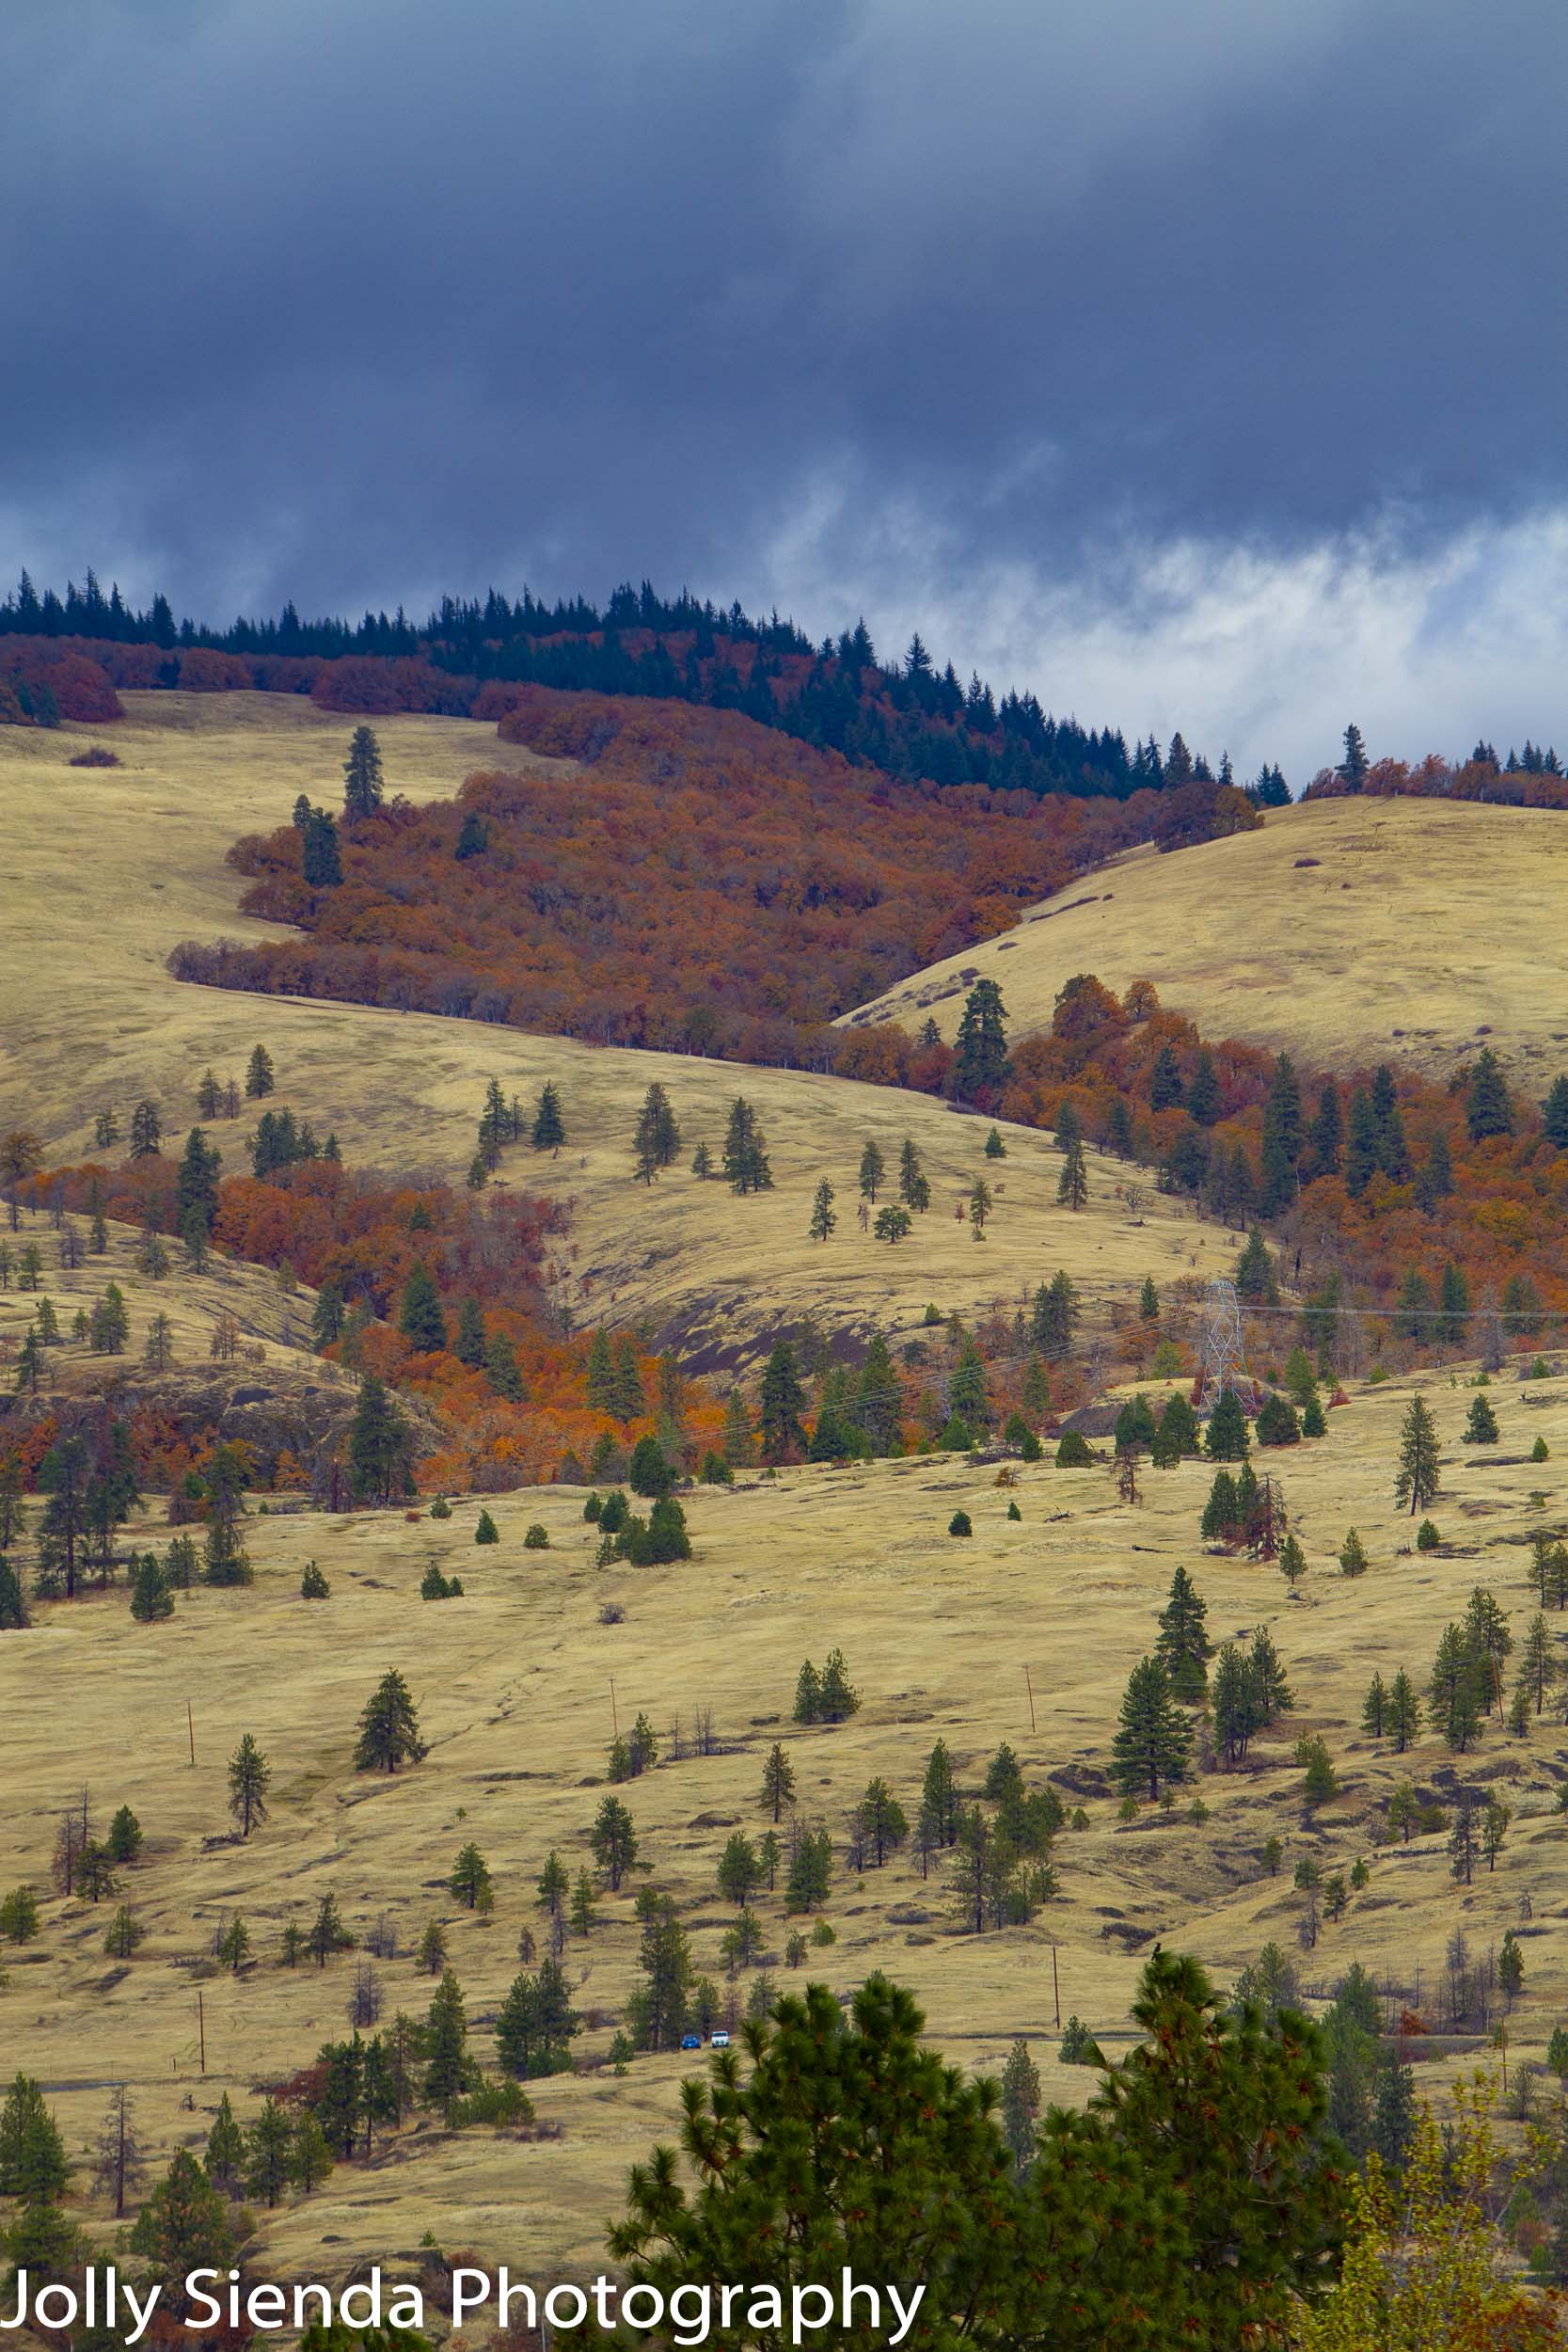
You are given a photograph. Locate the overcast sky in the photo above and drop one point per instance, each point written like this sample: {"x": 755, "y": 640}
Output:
{"x": 1196, "y": 365}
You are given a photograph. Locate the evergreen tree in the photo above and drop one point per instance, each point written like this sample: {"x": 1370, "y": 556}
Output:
{"x": 1151, "y": 1747}
{"x": 260, "y": 1077}
{"x": 739, "y": 1439}
{"x": 146, "y": 1131}
{"x": 1203, "y": 1091}
{"x": 658, "y": 2011}
{"x": 837, "y": 1697}
{"x": 940, "y": 1806}
{"x": 873, "y": 1171}
{"x": 1073, "y": 1185}
{"x": 880, "y": 1826}
{"x": 778, "y": 1781}
{"x": 980, "y": 1048}
{"x": 34, "y": 2167}
{"x": 1460, "y": 1689}
{"x": 1256, "y": 1282}
{"x": 1436, "y": 1181}
{"x": 822, "y": 1217}
{"x": 1553, "y": 1115}
{"x": 470, "y": 1883}
{"x": 380, "y": 1444}
{"x": 327, "y": 1318}
{"x": 548, "y": 1132}
{"x": 449, "y": 2070}
{"x": 1325, "y": 1138}
{"x": 321, "y": 857}
{"x": 1021, "y": 2103}
{"x": 1053, "y": 1314}
{"x": 468, "y": 1345}
{"x": 1403, "y": 1712}
{"x": 740, "y": 1872}
{"x": 1481, "y": 1426}
{"x": 782, "y": 1399}
{"x": 1412, "y": 1316}
{"x": 627, "y": 1397}
{"x": 1394, "y": 2109}
{"x": 420, "y": 1318}
{"x": 1487, "y": 1109}
{"x": 1454, "y": 1300}
{"x": 1226, "y": 1438}
{"x": 1361, "y": 1144}
{"x": 1351, "y": 770}
{"x": 613, "y": 1840}
{"x": 1416, "y": 1483}
{"x": 744, "y": 1159}
{"x": 362, "y": 778}
{"x": 854, "y": 2097}
{"x": 1182, "y": 1646}
{"x": 657, "y": 1141}
{"x": 1166, "y": 1091}
{"x": 150, "y": 1599}
{"x": 185, "y": 2224}
{"x": 388, "y": 1727}
{"x": 1282, "y": 1138}
{"x": 1277, "y": 1422}
{"x": 224, "y": 2160}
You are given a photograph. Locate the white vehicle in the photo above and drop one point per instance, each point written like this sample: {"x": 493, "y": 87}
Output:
{"x": 720, "y": 2040}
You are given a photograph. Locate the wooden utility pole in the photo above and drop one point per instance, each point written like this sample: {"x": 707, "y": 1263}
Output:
{"x": 614, "y": 1719}
{"x": 201, "y": 2029}
{"x": 1030, "y": 1688}
{"x": 190, "y": 1731}
{"x": 1056, "y": 1986}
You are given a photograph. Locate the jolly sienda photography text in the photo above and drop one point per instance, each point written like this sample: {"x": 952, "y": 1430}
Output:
{"x": 801, "y": 2313}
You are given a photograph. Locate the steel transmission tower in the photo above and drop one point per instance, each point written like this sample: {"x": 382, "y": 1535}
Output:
{"x": 1225, "y": 1364}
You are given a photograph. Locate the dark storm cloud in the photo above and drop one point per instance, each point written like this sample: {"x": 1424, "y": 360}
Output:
{"x": 362, "y": 300}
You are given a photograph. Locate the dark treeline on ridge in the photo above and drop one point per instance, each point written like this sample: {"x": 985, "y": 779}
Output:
{"x": 906, "y": 718}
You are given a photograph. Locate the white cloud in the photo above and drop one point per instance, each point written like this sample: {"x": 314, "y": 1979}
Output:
{"x": 1265, "y": 653}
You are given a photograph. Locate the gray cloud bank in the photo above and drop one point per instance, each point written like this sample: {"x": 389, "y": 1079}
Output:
{"x": 1196, "y": 366}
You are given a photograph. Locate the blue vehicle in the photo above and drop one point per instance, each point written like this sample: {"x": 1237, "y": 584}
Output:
{"x": 691, "y": 2041}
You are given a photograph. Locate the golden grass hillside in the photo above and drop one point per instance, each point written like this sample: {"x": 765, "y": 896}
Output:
{"x": 93, "y": 1018}
{"x": 520, "y": 1683}
{"x": 1350, "y": 932}
{"x": 273, "y": 1322}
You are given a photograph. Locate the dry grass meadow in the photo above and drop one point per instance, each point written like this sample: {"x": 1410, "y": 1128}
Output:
{"x": 86, "y": 939}
{"x": 519, "y": 1683}
{"x": 1348, "y": 931}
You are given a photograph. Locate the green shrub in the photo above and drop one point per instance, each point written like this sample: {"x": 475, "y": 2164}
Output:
{"x": 537, "y": 1538}
{"x": 1013, "y": 1511}
{"x": 313, "y": 1585}
{"x": 441, "y": 1508}
{"x": 1073, "y": 1451}
{"x": 1540, "y": 1451}
{"x": 498, "y": 2101}
{"x": 959, "y": 1524}
{"x": 1427, "y": 1537}
{"x": 487, "y": 1531}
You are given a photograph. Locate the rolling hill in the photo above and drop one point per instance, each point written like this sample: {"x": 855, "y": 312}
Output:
{"x": 403, "y": 1091}
{"x": 521, "y": 1683}
{"x": 1350, "y": 931}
